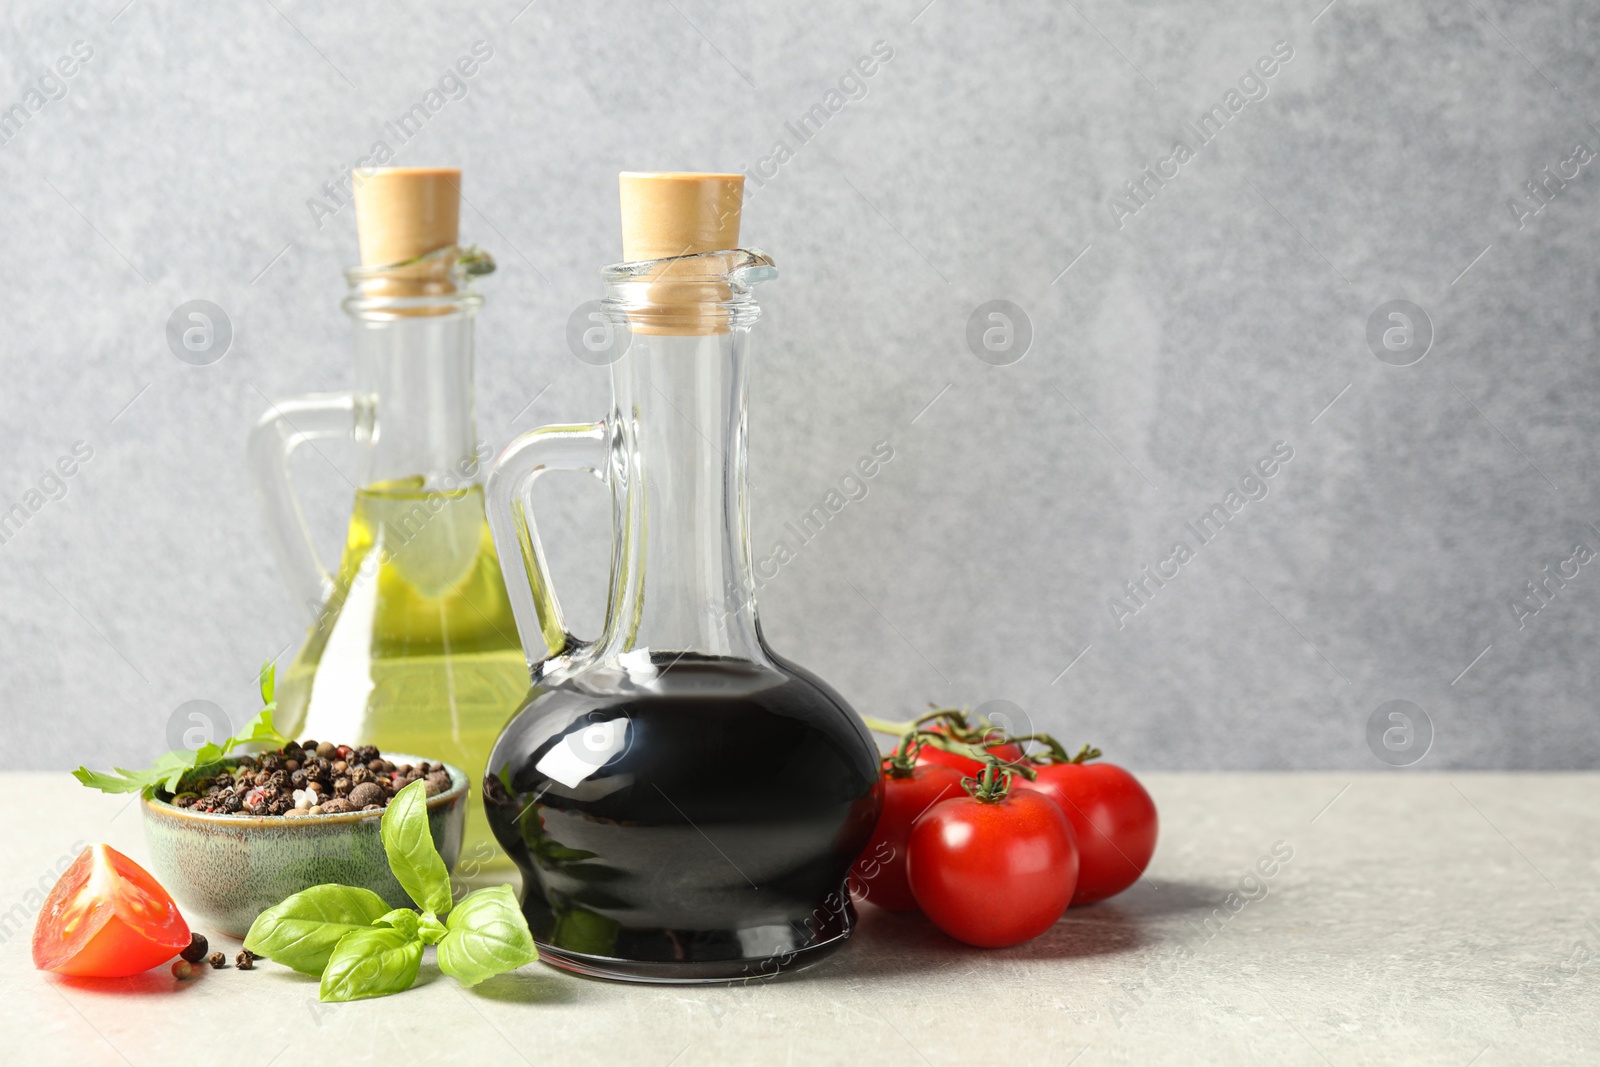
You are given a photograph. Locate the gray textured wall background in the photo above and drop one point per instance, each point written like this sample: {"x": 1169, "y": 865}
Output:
{"x": 1168, "y": 354}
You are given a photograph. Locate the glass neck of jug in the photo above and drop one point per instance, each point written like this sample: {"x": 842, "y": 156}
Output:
{"x": 682, "y": 580}
{"x": 416, "y": 413}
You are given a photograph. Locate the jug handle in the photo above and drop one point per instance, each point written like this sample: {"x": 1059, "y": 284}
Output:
{"x": 281, "y": 429}
{"x": 584, "y": 447}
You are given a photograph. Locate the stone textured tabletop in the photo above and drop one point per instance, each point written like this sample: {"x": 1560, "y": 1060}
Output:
{"x": 1408, "y": 918}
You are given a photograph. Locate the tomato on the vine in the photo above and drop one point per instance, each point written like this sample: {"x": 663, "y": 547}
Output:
{"x": 879, "y": 876}
{"x": 1005, "y": 751}
{"x": 107, "y": 918}
{"x": 1114, "y": 818}
{"x": 993, "y": 872}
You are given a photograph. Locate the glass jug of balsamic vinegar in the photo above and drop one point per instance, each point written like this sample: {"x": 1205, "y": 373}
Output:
{"x": 683, "y": 803}
{"x": 412, "y": 645}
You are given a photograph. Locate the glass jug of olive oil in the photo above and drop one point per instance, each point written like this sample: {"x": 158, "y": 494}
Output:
{"x": 412, "y": 645}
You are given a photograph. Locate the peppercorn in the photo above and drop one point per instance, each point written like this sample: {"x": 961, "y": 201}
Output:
{"x": 245, "y": 960}
{"x": 182, "y": 970}
{"x": 327, "y": 749}
{"x": 197, "y": 948}
{"x": 366, "y": 793}
{"x": 217, "y": 961}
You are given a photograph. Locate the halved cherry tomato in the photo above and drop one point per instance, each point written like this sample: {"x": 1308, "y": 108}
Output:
{"x": 993, "y": 873}
{"x": 107, "y": 918}
{"x": 1114, "y": 817}
{"x": 1008, "y": 752}
{"x": 879, "y": 875}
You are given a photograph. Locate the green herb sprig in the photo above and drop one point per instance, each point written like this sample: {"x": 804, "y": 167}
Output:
{"x": 362, "y": 948}
{"x": 168, "y": 772}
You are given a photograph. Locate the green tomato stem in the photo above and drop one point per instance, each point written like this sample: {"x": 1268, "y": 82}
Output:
{"x": 994, "y": 785}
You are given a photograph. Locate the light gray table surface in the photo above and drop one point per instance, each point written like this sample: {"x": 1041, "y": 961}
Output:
{"x": 1419, "y": 919}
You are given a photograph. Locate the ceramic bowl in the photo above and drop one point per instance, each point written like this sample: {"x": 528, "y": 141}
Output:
{"x": 224, "y": 870}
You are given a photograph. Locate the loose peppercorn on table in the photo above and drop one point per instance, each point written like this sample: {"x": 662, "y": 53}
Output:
{"x": 1445, "y": 918}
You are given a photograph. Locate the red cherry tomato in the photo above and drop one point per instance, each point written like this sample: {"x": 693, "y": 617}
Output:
{"x": 993, "y": 873}
{"x": 879, "y": 875}
{"x": 1114, "y": 818}
{"x": 1008, "y": 753}
{"x": 107, "y": 918}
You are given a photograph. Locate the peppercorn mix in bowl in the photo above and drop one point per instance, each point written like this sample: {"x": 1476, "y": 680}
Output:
{"x": 309, "y": 778}
{"x": 272, "y": 824}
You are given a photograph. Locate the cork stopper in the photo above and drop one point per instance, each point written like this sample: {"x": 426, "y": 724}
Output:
{"x": 405, "y": 212}
{"x": 671, "y": 214}
{"x": 667, "y": 215}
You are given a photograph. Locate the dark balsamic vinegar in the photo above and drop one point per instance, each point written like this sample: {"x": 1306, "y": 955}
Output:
{"x": 696, "y": 828}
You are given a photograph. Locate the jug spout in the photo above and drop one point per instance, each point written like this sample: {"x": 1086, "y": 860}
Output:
{"x": 702, "y": 294}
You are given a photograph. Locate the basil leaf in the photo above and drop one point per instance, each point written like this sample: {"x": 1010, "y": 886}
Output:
{"x": 430, "y": 929}
{"x": 303, "y": 930}
{"x": 403, "y": 919}
{"x": 371, "y": 962}
{"x": 269, "y": 681}
{"x": 412, "y": 857}
{"x": 488, "y": 936}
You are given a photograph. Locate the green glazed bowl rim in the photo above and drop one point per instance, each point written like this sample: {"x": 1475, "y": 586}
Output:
{"x": 158, "y": 808}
